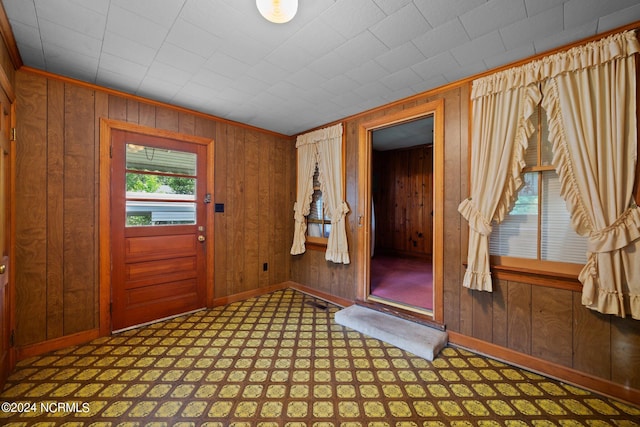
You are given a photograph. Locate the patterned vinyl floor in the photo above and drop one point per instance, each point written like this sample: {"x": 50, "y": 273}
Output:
{"x": 280, "y": 360}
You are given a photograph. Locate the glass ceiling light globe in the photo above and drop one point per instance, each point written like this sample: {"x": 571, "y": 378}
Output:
{"x": 278, "y": 11}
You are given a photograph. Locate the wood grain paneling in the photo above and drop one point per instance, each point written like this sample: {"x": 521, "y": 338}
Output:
{"x": 80, "y": 235}
{"x": 402, "y": 190}
{"x": 591, "y": 340}
{"x": 31, "y": 211}
{"x": 57, "y": 202}
{"x": 551, "y": 326}
{"x": 519, "y": 317}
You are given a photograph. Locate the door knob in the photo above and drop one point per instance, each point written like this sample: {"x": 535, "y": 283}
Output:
{"x": 201, "y": 238}
{"x": 3, "y": 268}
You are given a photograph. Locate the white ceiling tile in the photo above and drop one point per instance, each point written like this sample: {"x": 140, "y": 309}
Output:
{"x": 225, "y": 65}
{"x": 565, "y": 37}
{"x": 401, "y": 27}
{"x": 437, "y": 12}
{"x": 305, "y": 78}
{"x": 221, "y": 57}
{"x": 492, "y": 15}
{"x": 510, "y": 56}
{"x": 54, "y": 34}
{"x": 289, "y": 57}
{"x": 534, "y": 7}
{"x": 578, "y": 12}
{"x": 70, "y": 63}
{"x": 478, "y": 49}
{"x": 401, "y": 79}
{"x": 128, "y": 49}
{"x": 155, "y": 88}
{"x": 28, "y": 36}
{"x": 436, "y": 65}
{"x": 127, "y": 69}
{"x": 32, "y": 56}
{"x": 23, "y": 11}
{"x": 162, "y": 12}
{"x": 619, "y": 18}
{"x": 309, "y": 41}
{"x": 338, "y": 85}
{"x": 73, "y": 16}
{"x": 136, "y": 27}
{"x": 522, "y": 32}
{"x": 194, "y": 39}
{"x": 168, "y": 73}
{"x": 330, "y": 65}
{"x": 400, "y": 57}
{"x": 118, "y": 81}
{"x": 367, "y": 72}
{"x": 390, "y": 6}
{"x": 352, "y": 17}
{"x": 179, "y": 58}
{"x": 442, "y": 38}
{"x": 361, "y": 48}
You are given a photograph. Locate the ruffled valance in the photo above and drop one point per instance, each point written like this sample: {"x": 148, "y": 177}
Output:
{"x": 578, "y": 58}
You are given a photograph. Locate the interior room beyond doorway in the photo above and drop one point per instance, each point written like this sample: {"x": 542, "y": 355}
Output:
{"x": 401, "y": 271}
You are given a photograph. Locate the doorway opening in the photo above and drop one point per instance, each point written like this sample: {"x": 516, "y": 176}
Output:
{"x": 402, "y": 214}
{"x": 401, "y": 211}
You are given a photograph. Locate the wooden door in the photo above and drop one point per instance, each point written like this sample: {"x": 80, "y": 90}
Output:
{"x": 158, "y": 216}
{"x": 5, "y": 247}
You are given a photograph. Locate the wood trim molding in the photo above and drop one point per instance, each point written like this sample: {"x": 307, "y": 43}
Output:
{"x": 546, "y": 368}
{"x": 9, "y": 39}
{"x": 342, "y": 302}
{"x": 43, "y": 347}
{"x": 249, "y": 294}
{"x": 106, "y": 126}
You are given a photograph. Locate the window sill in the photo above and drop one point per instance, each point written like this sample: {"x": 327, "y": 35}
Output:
{"x": 550, "y": 279}
{"x": 314, "y": 245}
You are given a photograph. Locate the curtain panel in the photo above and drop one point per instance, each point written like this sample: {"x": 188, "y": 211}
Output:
{"x": 324, "y": 147}
{"x": 588, "y": 93}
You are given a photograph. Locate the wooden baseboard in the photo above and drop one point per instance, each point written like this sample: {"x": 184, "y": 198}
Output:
{"x": 249, "y": 294}
{"x": 342, "y": 302}
{"x": 37, "y": 349}
{"x": 546, "y": 368}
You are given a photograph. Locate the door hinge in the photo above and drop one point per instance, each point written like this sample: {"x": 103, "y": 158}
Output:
{"x": 111, "y": 307}
{"x": 13, "y": 134}
{"x": 111, "y": 151}
{"x": 12, "y": 338}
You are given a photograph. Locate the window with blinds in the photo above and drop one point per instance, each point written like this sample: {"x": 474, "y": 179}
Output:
{"x": 318, "y": 224}
{"x": 538, "y": 227}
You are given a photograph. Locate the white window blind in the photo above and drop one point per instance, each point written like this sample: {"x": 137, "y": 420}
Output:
{"x": 538, "y": 226}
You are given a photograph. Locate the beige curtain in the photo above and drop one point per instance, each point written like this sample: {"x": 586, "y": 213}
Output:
{"x": 501, "y": 107}
{"x": 589, "y": 94}
{"x": 307, "y": 159}
{"x": 324, "y": 147}
{"x": 330, "y": 169}
{"x": 591, "y": 106}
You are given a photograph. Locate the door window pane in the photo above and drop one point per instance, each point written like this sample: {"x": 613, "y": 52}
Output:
{"x": 160, "y": 186}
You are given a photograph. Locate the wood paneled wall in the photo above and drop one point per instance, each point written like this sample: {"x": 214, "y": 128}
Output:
{"x": 547, "y": 324}
{"x": 57, "y": 228}
{"x": 403, "y": 201}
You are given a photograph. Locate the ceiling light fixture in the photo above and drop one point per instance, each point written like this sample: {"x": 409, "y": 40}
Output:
{"x": 278, "y": 11}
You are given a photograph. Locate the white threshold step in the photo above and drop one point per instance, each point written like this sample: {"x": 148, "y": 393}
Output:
{"x": 416, "y": 338}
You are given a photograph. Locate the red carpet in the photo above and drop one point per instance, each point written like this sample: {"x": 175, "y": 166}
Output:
{"x": 404, "y": 280}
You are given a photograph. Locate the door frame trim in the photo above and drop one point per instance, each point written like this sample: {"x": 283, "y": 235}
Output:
{"x": 106, "y": 127}
{"x": 435, "y": 109}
